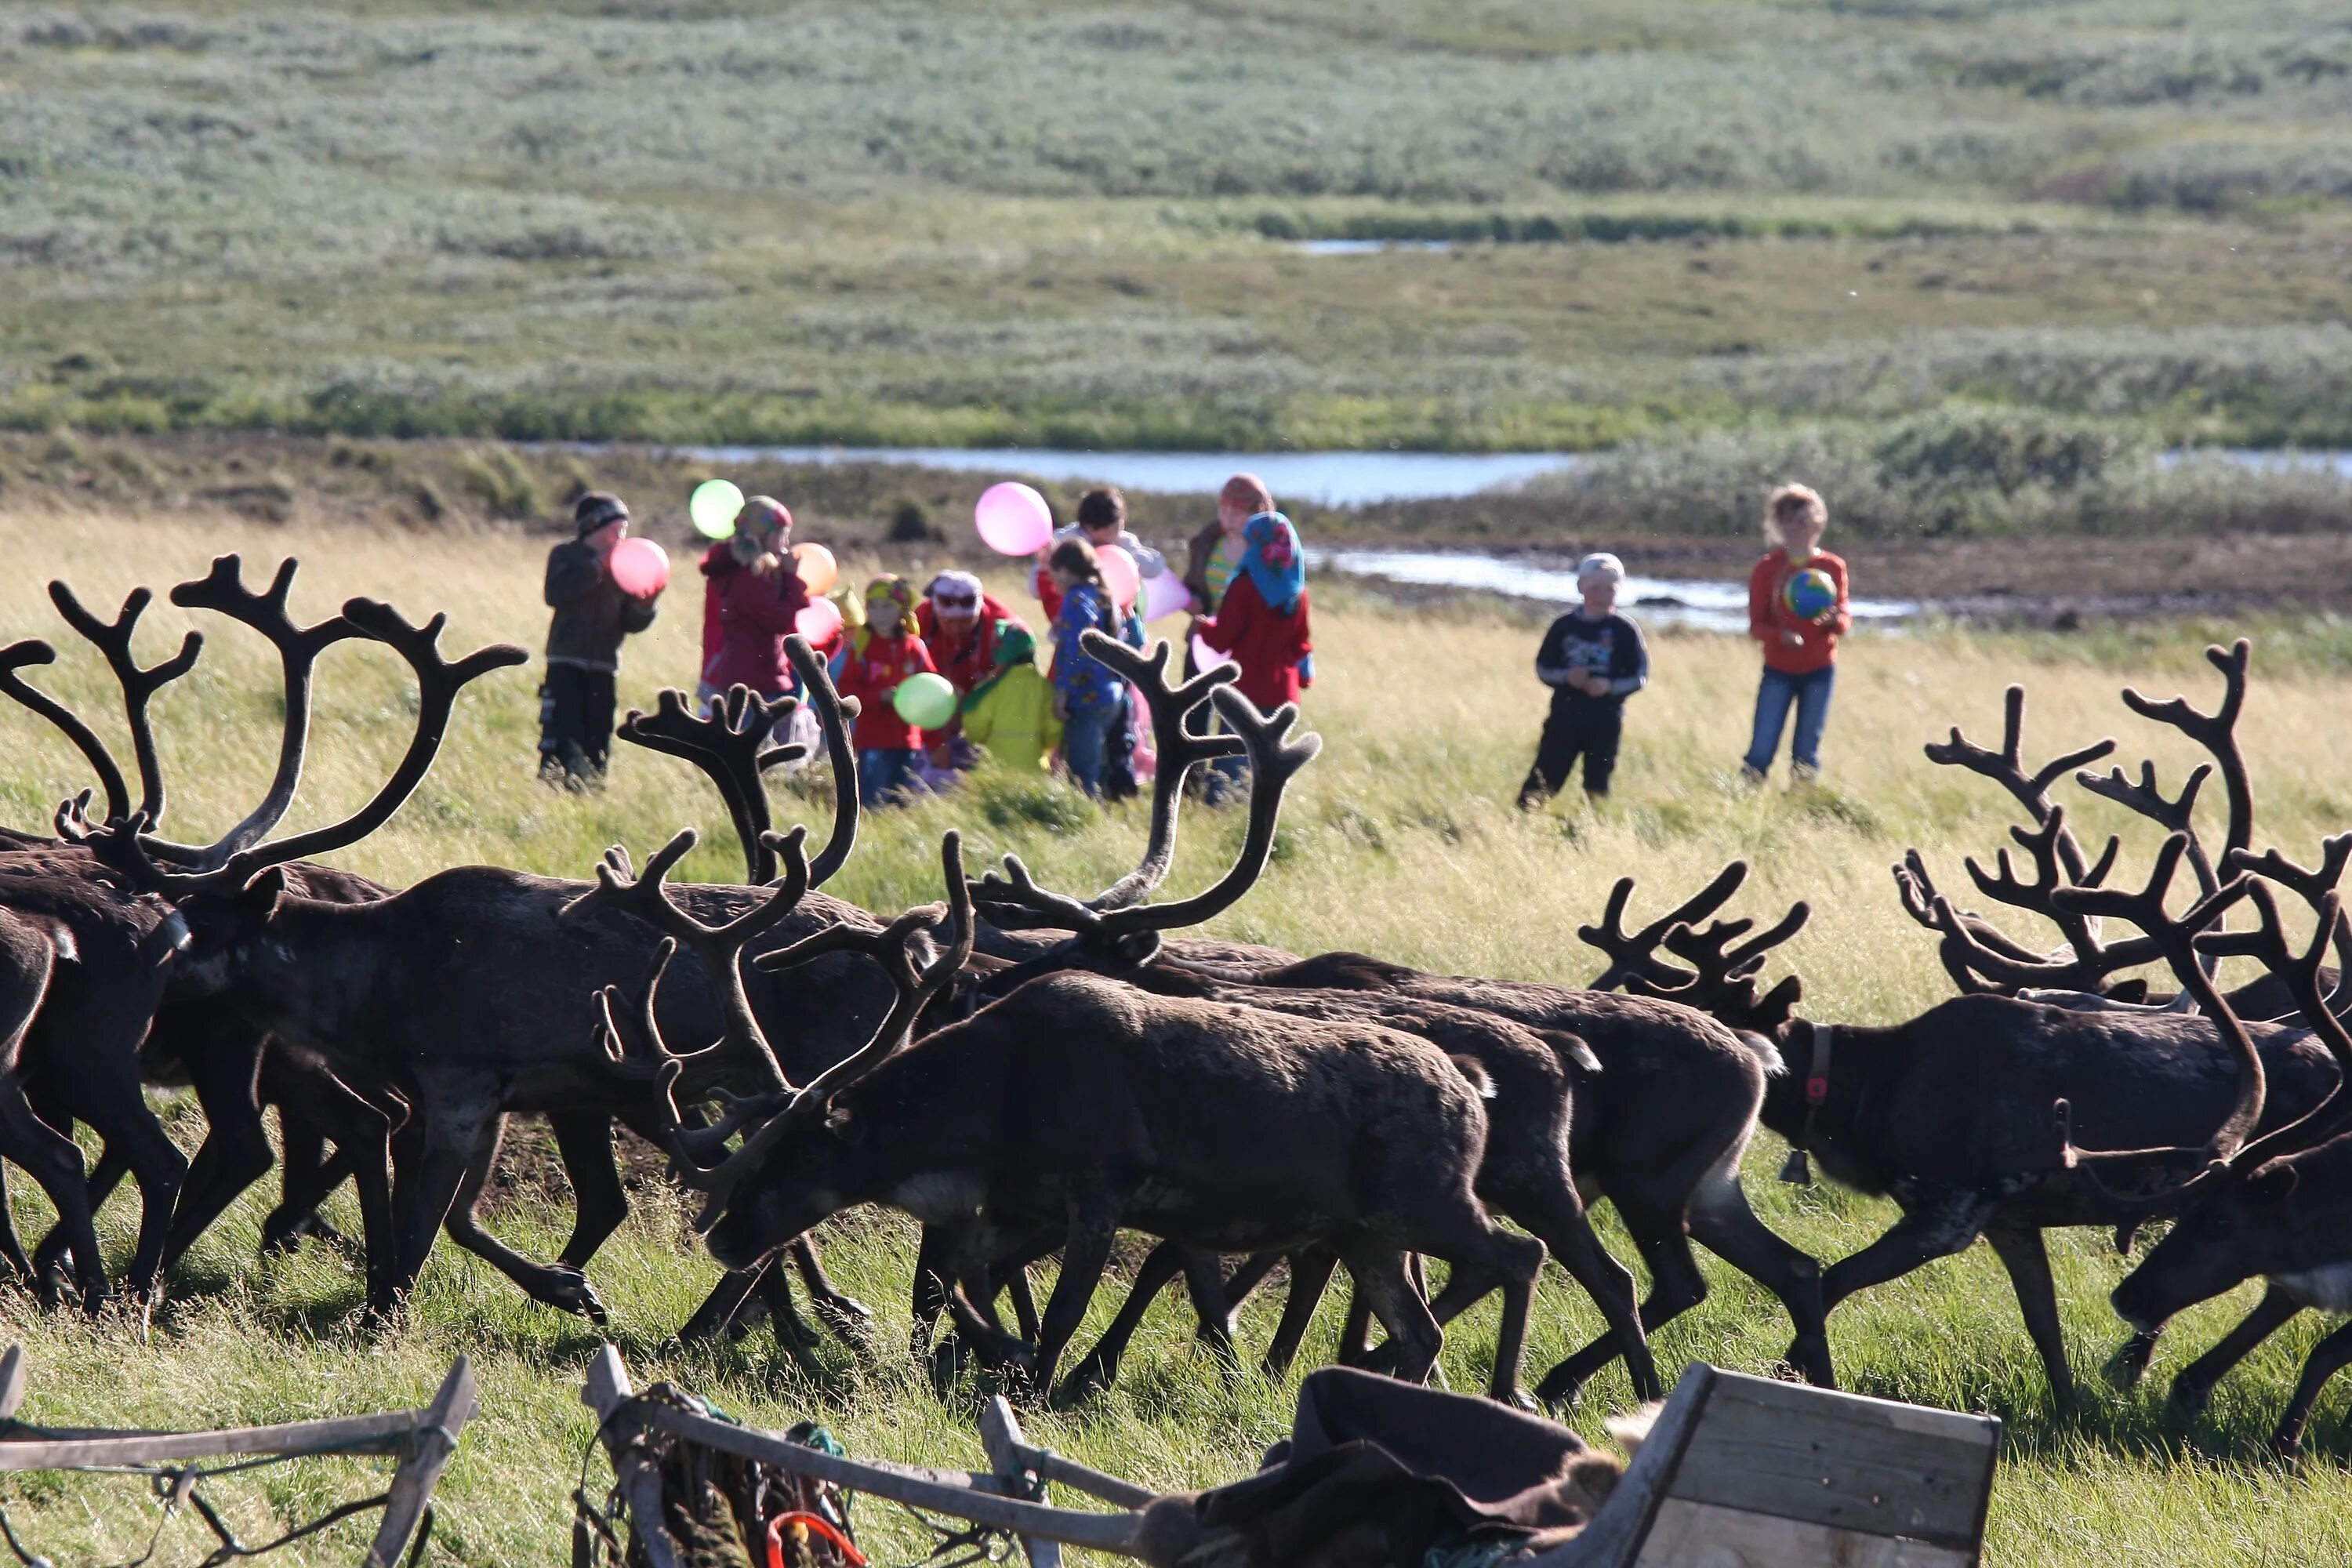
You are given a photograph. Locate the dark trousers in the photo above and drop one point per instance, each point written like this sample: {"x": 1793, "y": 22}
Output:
{"x": 1118, "y": 753}
{"x": 1587, "y": 730}
{"x": 575, "y": 710}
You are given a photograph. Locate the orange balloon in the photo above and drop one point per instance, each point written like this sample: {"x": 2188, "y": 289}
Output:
{"x": 819, "y": 572}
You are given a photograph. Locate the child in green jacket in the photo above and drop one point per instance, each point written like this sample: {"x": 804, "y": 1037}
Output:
{"x": 1011, "y": 714}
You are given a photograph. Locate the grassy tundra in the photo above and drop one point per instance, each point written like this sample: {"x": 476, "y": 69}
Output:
{"x": 1399, "y": 840}
{"x": 1034, "y": 221}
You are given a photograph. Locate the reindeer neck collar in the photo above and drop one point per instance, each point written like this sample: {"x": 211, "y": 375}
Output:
{"x": 1817, "y": 1090}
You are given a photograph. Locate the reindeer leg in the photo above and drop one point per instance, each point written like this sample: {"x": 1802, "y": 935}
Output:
{"x": 306, "y": 1179}
{"x": 2194, "y": 1387}
{"x": 1379, "y": 1275}
{"x": 224, "y": 1062}
{"x": 1099, "y": 1370}
{"x": 1204, "y": 1281}
{"x": 55, "y": 1162}
{"x": 2021, "y": 1251}
{"x": 1721, "y": 1221}
{"x": 2329, "y": 1358}
{"x": 717, "y": 1313}
{"x": 1355, "y": 1346}
{"x": 1254, "y": 1270}
{"x": 12, "y": 1245}
{"x": 1310, "y": 1272}
{"x": 583, "y": 1139}
{"x": 1655, "y": 1220}
{"x": 429, "y": 1166}
{"x": 1016, "y": 1281}
{"x": 115, "y": 1107}
{"x": 792, "y": 1331}
{"x": 1498, "y": 1261}
{"x": 849, "y": 1319}
{"x": 1555, "y": 1216}
{"x": 555, "y": 1285}
{"x": 1936, "y": 1223}
{"x": 52, "y": 1255}
{"x": 1086, "y": 1252}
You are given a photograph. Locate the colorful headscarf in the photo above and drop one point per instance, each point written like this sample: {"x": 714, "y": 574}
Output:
{"x": 1275, "y": 562}
{"x": 1015, "y": 646}
{"x": 899, "y": 591}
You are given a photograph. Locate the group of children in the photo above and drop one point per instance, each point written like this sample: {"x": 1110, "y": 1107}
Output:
{"x": 1594, "y": 658}
{"x": 1247, "y": 576}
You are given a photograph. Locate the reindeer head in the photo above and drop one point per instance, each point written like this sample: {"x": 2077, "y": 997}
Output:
{"x": 775, "y": 1185}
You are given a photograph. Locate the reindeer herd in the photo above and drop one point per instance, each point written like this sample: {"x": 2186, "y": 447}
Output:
{"x": 1026, "y": 1071}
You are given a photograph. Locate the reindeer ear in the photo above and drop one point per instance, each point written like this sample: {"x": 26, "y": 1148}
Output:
{"x": 2273, "y": 1180}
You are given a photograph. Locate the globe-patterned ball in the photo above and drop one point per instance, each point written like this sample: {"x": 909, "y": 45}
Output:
{"x": 1810, "y": 594}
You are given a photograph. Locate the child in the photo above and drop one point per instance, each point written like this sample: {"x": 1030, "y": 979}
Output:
{"x": 1592, "y": 659}
{"x": 1088, "y": 698}
{"x": 1010, "y": 713}
{"x": 1262, "y": 622}
{"x": 1800, "y": 654}
{"x": 752, "y": 599}
{"x": 584, "y": 644}
{"x": 880, "y": 655}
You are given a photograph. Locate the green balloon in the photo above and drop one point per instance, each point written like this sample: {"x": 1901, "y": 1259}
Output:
{"x": 713, "y": 507}
{"x": 925, "y": 701}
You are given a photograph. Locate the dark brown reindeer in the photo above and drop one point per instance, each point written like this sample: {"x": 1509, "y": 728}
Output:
{"x": 2281, "y": 1206}
{"x": 227, "y": 1063}
{"x": 1948, "y": 1114}
{"x": 1222, "y": 1129}
{"x": 1660, "y": 1132}
{"x": 500, "y": 1014}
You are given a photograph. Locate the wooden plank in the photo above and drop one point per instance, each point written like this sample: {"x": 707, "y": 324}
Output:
{"x": 352, "y": 1434}
{"x": 1625, "y": 1522}
{"x": 1000, "y": 1434}
{"x": 1840, "y": 1461}
{"x": 964, "y": 1496}
{"x": 1700, "y": 1535}
{"x": 12, "y": 1381}
{"x": 412, "y": 1484}
{"x": 606, "y": 1391}
{"x": 1093, "y": 1482}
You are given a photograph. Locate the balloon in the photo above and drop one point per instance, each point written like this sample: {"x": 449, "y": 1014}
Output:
{"x": 1014, "y": 520}
{"x": 640, "y": 568}
{"x": 925, "y": 701}
{"x": 820, "y": 622}
{"x": 1120, "y": 574}
{"x": 819, "y": 571}
{"x": 713, "y": 507}
{"x": 1205, "y": 657}
{"x": 1165, "y": 595}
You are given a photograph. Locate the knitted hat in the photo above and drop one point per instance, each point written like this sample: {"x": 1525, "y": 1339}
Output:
{"x": 1016, "y": 643}
{"x": 594, "y": 509}
{"x": 764, "y": 514}
{"x": 1600, "y": 564}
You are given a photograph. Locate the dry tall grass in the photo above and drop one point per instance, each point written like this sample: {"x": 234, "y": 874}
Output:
{"x": 1400, "y": 840}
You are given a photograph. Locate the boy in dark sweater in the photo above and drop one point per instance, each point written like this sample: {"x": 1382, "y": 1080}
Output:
{"x": 1592, "y": 659}
{"x": 584, "y": 644}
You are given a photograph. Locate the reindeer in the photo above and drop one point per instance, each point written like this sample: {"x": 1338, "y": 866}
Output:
{"x": 1223, "y": 1129}
{"x": 108, "y": 1002}
{"x": 1950, "y": 1114}
{"x": 2278, "y": 1206}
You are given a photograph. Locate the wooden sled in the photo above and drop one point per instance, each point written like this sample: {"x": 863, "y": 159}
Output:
{"x": 424, "y": 1438}
{"x": 1737, "y": 1472}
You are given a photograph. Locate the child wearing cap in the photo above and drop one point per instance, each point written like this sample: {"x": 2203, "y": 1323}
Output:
{"x": 881, "y": 655}
{"x": 1592, "y": 659}
{"x": 583, "y": 643}
{"x": 1011, "y": 714}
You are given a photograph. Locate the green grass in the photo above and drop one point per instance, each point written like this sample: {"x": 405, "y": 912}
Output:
{"x": 1032, "y": 222}
{"x": 1399, "y": 840}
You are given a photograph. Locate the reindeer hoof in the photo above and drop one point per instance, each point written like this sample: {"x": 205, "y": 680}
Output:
{"x": 1520, "y": 1399}
{"x": 1087, "y": 1381}
{"x": 2286, "y": 1447}
{"x": 572, "y": 1293}
{"x": 2190, "y": 1399}
{"x": 947, "y": 1361}
{"x": 2128, "y": 1365}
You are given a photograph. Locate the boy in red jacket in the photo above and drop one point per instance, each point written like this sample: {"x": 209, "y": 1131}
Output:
{"x": 884, "y": 652}
{"x": 1799, "y": 650}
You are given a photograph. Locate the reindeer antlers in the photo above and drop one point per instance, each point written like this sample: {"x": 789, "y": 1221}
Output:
{"x": 1722, "y": 977}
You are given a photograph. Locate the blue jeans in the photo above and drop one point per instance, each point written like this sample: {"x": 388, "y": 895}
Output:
{"x": 1811, "y": 693}
{"x": 883, "y": 773}
{"x": 1085, "y": 743}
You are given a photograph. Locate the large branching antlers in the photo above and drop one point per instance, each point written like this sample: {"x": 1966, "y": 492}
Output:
{"x": 731, "y": 746}
{"x": 1724, "y": 967}
{"x": 718, "y": 947}
{"x": 786, "y": 1107}
{"x": 1013, "y": 901}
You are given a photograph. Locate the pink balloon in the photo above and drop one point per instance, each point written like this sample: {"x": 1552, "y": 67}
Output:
{"x": 1206, "y": 657}
{"x": 1014, "y": 520}
{"x": 1120, "y": 574}
{"x": 819, "y": 622}
{"x": 1165, "y": 595}
{"x": 640, "y": 568}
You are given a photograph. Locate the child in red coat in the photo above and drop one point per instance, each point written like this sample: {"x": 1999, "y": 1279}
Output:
{"x": 1262, "y": 623}
{"x": 1799, "y": 650}
{"x": 884, "y": 652}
